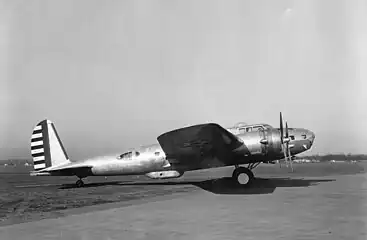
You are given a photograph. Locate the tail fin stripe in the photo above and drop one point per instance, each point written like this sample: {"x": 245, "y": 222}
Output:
{"x": 38, "y": 155}
{"x": 39, "y": 162}
{"x": 36, "y": 143}
{"x": 36, "y": 147}
{"x": 39, "y": 166}
{"x": 40, "y": 158}
{"x": 36, "y": 139}
{"x": 37, "y": 135}
{"x": 35, "y": 151}
{"x": 38, "y": 127}
{"x": 37, "y": 131}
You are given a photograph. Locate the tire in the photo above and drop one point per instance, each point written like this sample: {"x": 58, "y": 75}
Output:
{"x": 243, "y": 176}
{"x": 79, "y": 183}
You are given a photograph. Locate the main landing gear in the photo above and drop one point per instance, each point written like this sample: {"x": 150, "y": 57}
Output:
{"x": 79, "y": 183}
{"x": 244, "y": 176}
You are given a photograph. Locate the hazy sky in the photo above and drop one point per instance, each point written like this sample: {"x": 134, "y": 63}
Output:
{"x": 116, "y": 74}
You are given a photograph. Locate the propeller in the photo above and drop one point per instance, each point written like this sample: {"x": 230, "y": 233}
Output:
{"x": 285, "y": 142}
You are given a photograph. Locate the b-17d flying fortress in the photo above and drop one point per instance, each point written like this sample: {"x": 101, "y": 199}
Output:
{"x": 84, "y": 83}
{"x": 186, "y": 149}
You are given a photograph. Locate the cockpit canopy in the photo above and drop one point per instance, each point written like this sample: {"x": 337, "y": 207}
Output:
{"x": 256, "y": 127}
{"x": 241, "y": 128}
{"x": 128, "y": 155}
{"x": 240, "y": 124}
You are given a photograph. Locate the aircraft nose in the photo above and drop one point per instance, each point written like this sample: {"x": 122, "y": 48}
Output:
{"x": 311, "y": 136}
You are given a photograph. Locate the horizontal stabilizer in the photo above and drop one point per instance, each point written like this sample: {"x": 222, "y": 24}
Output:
{"x": 71, "y": 171}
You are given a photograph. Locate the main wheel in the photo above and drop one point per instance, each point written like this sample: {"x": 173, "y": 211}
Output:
{"x": 79, "y": 183}
{"x": 243, "y": 176}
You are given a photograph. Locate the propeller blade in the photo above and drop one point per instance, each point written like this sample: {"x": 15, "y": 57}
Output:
{"x": 285, "y": 155}
{"x": 290, "y": 157}
{"x": 285, "y": 142}
{"x": 281, "y": 128}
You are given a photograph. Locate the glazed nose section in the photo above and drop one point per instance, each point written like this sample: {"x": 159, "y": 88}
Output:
{"x": 310, "y": 136}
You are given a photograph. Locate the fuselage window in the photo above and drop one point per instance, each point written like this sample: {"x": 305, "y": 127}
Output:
{"x": 304, "y": 136}
{"x": 292, "y": 137}
{"x": 125, "y": 155}
{"x": 137, "y": 154}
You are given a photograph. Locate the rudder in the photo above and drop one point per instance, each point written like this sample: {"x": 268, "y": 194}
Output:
{"x": 46, "y": 147}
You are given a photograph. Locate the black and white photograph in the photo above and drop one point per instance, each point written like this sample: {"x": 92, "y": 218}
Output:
{"x": 183, "y": 119}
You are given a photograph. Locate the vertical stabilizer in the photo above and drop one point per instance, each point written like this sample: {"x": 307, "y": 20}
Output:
{"x": 46, "y": 147}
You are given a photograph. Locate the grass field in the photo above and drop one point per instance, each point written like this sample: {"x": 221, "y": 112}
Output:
{"x": 24, "y": 198}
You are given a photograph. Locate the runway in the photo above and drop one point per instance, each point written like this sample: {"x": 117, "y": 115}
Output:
{"x": 314, "y": 207}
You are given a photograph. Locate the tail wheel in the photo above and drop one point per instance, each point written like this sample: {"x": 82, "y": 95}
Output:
{"x": 243, "y": 176}
{"x": 79, "y": 183}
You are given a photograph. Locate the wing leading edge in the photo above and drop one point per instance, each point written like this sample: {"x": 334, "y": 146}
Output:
{"x": 196, "y": 143}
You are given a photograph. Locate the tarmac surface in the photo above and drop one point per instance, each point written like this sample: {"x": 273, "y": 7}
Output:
{"x": 317, "y": 201}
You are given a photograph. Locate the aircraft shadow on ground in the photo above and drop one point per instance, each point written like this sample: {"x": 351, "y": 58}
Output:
{"x": 223, "y": 185}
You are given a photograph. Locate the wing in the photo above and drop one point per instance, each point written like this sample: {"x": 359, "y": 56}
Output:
{"x": 194, "y": 144}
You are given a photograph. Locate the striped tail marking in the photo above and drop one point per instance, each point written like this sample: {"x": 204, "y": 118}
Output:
{"x": 39, "y": 150}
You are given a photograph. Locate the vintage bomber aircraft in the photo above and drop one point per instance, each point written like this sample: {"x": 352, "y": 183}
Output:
{"x": 190, "y": 148}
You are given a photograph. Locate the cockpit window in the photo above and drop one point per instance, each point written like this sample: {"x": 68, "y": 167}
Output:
{"x": 304, "y": 136}
{"x": 157, "y": 153}
{"x": 137, "y": 154}
{"x": 242, "y": 130}
{"x": 292, "y": 137}
{"x": 267, "y": 126}
{"x": 258, "y": 128}
{"x": 125, "y": 155}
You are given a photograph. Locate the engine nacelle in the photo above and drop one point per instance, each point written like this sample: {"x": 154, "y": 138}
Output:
{"x": 164, "y": 174}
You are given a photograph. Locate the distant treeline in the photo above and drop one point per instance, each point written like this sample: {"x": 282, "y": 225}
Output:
{"x": 15, "y": 162}
{"x": 336, "y": 157}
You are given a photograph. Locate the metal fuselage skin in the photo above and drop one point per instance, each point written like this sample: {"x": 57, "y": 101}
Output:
{"x": 147, "y": 161}
{"x": 258, "y": 146}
